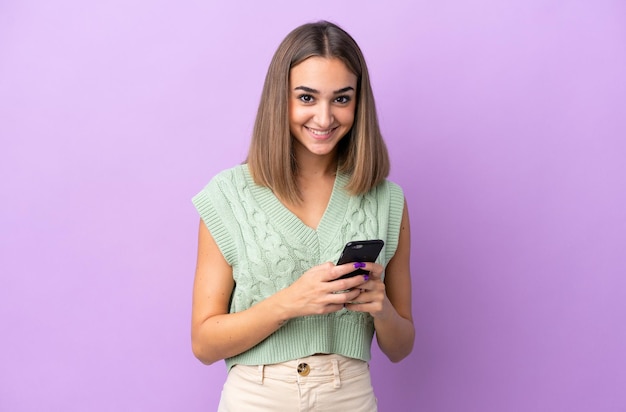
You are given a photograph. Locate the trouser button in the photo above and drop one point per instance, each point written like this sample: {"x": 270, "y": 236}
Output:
{"x": 304, "y": 369}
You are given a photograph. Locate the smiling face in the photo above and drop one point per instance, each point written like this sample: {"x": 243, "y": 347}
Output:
{"x": 322, "y": 102}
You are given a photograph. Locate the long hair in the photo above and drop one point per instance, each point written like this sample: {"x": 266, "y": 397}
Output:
{"x": 362, "y": 153}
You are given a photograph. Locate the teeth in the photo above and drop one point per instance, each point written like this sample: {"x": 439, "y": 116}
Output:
{"x": 320, "y": 132}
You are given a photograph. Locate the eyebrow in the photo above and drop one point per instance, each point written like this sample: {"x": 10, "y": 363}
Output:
{"x": 313, "y": 91}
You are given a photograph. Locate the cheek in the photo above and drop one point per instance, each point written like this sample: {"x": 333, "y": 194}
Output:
{"x": 297, "y": 114}
{"x": 346, "y": 116}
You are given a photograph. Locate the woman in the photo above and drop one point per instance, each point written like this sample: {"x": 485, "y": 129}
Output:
{"x": 267, "y": 297}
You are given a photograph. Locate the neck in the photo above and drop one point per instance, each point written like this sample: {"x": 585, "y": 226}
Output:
{"x": 312, "y": 166}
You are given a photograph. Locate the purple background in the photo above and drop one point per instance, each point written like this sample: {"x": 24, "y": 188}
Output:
{"x": 506, "y": 125}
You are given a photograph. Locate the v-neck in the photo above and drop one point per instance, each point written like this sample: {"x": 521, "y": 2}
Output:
{"x": 330, "y": 223}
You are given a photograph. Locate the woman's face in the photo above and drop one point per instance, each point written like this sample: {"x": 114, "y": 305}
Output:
{"x": 322, "y": 101}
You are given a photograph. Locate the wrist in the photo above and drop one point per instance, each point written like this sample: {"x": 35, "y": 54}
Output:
{"x": 281, "y": 310}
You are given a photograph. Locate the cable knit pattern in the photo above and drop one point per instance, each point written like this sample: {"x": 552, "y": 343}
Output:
{"x": 268, "y": 248}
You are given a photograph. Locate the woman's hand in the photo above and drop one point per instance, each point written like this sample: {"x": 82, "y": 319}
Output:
{"x": 319, "y": 290}
{"x": 372, "y": 297}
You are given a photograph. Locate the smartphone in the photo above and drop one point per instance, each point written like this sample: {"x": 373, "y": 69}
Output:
{"x": 360, "y": 251}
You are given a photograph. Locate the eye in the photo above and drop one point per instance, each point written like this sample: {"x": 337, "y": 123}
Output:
{"x": 305, "y": 98}
{"x": 343, "y": 99}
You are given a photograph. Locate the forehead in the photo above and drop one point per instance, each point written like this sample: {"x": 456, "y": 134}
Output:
{"x": 322, "y": 73}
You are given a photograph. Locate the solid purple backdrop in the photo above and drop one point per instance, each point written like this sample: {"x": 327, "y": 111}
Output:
{"x": 506, "y": 125}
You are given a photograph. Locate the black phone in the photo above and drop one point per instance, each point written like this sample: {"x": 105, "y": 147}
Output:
{"x": 360, "y": 251}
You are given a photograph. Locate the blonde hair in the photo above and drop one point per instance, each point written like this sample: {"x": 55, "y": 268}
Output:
{"x": 362, "y": 153}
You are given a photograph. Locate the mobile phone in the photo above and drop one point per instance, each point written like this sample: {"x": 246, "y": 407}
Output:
{"x": 360, "y": 251}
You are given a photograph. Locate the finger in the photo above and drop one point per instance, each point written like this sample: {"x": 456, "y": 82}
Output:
{"x": 363, "y": 297}
{"x": 342, "y": 285}
{"x": 349, "y": 269}
{"x": 356, "y": 306}
{"x": 330, "y": 272}
{"x": 335, "y": 307}
{"x": 344, "y": 296}
{"x": 359, "y": 300}
{"x": 375, "y": 270}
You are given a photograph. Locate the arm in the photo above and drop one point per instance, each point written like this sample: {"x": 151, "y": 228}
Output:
{"x": 217, "y": 334}
{"x": 395, "y": 332}
{"x": 390, "y": 302}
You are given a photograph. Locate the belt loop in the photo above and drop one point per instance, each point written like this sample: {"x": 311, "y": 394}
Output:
{"x": 261, "y": 369}
{"x": 336, "y": 380}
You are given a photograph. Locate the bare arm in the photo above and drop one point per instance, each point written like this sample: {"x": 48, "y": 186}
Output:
{"x": 390, "y": 302}
{"x": 217, "y": 334}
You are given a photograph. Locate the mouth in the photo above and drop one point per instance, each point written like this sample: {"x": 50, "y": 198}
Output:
{"x": 321, "y": 134}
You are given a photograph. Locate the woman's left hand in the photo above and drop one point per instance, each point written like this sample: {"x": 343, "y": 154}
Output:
{"x": 372, "y": 298}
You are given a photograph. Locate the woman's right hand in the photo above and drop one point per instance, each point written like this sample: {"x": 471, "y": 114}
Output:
{"x": 319, "y": 290}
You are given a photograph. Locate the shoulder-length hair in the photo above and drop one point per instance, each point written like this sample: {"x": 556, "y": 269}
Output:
{"x": 362, "y": 153}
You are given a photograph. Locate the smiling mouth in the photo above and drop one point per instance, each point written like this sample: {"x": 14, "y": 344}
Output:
{"x": 320, "y": 132}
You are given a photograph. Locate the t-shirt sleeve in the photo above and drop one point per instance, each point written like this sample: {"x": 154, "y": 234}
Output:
{"x": 215, "y": 210}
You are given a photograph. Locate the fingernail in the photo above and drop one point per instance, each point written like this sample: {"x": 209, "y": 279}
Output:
{"x": 366, "y": 277}
{"x": 358, "y": 265}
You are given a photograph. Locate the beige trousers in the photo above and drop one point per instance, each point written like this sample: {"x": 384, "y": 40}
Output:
{"x": 321, "y": 383}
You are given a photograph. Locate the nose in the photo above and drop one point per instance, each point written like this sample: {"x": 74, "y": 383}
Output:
{"x": 324, "y": 116}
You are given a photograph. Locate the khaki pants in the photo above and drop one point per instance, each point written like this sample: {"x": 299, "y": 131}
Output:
{"x": 316, "y": 383}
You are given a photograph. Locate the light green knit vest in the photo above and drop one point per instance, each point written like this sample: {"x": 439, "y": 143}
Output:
{"x": 268, "y": 248}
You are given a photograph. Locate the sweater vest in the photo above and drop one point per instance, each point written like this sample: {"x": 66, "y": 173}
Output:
{"x": 268, "y": 248}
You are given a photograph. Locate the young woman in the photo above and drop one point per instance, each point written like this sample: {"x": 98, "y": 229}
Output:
{"x": 267, "y": 295}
